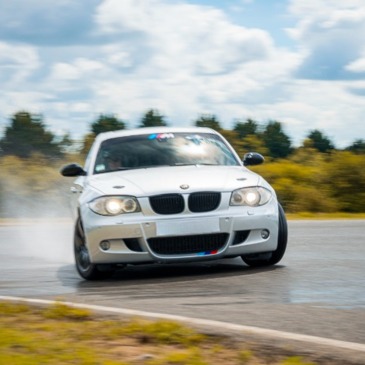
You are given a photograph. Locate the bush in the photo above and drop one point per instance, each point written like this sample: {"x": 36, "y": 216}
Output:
{"x": 314, "y": 182}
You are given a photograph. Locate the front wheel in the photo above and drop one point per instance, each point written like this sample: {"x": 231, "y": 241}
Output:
{"x": 84, "y": 267}
{"x": 273, "y": 257}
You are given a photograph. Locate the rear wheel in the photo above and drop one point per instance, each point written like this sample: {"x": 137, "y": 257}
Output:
{"x": 84, "y": 267}
{"x": 273, "y": 257}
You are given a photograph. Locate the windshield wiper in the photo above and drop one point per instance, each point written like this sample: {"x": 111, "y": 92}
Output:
{"x": 209, "y": 164}
{"x": 140, "y": 167}
{"x": 195, "y": 164}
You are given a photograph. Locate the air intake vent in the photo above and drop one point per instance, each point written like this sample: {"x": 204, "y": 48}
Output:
{"x": 204, "y": 202}
{"x": 167, "y": 204}
{"x": 188, "y": 244}
{"x": 133, "y": 244}
{"x": 240, "y": 237}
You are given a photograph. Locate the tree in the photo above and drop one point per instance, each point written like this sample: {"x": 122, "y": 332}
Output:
{"x": 234, "y": 141}
{"x": 209, "y": 121}
{"x": 244, "y": 129}
{"x": 27, "y": 135}
{"x": 107, "y": 123}
{"x": 152, "y": 118}
{"x": 320, "y": 141}
{"x": 252, "y": 143}
{"x": 276, "y": 141}
{"x": 357, "y": 147}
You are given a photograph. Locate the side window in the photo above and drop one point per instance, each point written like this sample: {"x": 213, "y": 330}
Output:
{"x": 109, "y": 157}
{"x": 100, "y": 163}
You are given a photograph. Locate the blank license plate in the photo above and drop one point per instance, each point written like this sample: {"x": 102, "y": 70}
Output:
{"x": 191, "y": 226}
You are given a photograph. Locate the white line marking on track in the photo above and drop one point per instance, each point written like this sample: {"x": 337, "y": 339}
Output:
{"x": 202, "y": 322}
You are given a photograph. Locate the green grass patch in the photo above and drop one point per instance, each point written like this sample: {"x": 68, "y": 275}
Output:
{"x": 59, "y": 334}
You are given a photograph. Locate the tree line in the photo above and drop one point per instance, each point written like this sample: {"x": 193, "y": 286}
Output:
{"x": 27, "y": 134}
{"x": 314, "y": 177}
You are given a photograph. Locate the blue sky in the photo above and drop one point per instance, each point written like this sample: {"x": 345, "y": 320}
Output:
{"x": 300, "y": 62}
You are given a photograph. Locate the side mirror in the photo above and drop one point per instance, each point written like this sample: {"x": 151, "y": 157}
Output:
{"x": 252, "y": 158}
{"x": 73, "y": 169}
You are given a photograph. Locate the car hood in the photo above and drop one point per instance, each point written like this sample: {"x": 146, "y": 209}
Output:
{"x": 176, "y": 179}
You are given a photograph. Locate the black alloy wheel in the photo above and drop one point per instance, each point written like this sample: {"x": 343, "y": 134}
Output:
{"x": 84, "y": 267}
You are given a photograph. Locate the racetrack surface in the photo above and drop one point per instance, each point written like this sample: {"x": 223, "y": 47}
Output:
{"x": 318, "y": 289}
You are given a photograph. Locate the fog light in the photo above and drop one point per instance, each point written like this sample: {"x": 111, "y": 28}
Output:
{"x": 105, "y": 245}
{"x": 265, "y": 234}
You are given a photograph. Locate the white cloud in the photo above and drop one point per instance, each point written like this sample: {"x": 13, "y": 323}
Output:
{"x": 332, "y": 33}
{"x": 321, "y": 105}
{"x": 64, "y": 71}
{"x": 80, "y": 68}
{"x": 200, "y": 38}
{"x": 357, "y": 65}
{"x": 17, "y": 62}
{"x": 312, "y": 8}
{"x": 186, "y": 59}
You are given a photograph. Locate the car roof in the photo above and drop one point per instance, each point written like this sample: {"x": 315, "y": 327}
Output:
{"x": 150, "y": 130}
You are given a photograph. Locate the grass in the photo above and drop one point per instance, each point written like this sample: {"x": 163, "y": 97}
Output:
{"x": 63, "y": 335}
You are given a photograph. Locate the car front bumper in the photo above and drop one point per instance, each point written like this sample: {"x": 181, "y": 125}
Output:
{"x": 135, "y": 238}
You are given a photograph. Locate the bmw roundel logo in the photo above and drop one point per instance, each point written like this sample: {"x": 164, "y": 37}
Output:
{"x": 184, "y": 186}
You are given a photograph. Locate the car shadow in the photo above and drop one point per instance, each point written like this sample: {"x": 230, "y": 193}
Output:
{"x": 164, "y": 273}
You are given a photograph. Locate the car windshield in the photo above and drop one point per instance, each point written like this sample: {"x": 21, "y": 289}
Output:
{"x": 162, "y": 149}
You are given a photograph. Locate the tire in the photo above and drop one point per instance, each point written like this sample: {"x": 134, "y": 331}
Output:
{"x": 84, "y": 267}
{"x": 273, "y": 257}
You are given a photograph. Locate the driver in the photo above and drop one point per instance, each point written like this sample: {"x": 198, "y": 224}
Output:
{"x": 112, "y": 162}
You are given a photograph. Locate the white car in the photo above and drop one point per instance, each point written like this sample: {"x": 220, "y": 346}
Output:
{"x": 169, "y": 195}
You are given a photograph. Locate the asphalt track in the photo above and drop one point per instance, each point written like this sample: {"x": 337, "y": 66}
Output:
{"x": 317, "y": 290}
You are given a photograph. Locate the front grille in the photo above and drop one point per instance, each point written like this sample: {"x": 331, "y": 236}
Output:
{"x": 167, "y": 204}
{"x": 188, "y": 244}
{"x": 204, "y": 201}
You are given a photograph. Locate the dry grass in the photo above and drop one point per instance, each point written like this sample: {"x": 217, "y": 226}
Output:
{"x": 64, "y": 335}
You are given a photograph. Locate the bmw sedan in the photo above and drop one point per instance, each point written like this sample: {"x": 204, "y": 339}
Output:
{"x": 165, "y": 195}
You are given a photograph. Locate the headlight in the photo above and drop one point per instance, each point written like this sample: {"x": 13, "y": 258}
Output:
{"x": 114, "y": 205}
{"x": 252, "y": 197}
